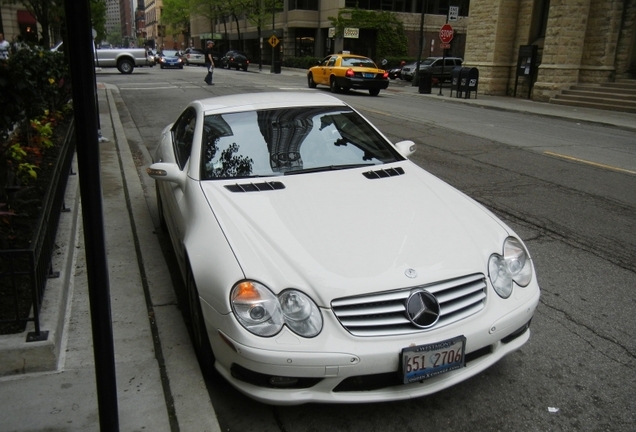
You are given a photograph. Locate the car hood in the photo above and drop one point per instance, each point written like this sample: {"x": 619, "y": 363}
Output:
{"x": 340, "y": 233}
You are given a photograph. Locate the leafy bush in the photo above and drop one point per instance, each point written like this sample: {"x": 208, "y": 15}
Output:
{"x": 34, "y": 95}
{"x": 32, "y": 81}
{"x": 301, "y": 62}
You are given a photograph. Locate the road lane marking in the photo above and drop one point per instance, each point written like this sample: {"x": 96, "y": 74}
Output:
{"x": 583, "y": 161}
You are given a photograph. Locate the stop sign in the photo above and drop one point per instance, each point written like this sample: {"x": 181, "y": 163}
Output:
{"x": 446, "y": 33}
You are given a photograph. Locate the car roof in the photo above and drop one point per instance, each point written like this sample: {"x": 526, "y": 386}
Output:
{"x": 266, "y": 100}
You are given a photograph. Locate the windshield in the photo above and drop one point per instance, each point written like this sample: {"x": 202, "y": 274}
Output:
{"x": 289, "y": 141}
{"x": 169, "y": 53}
{"x": 360, "y": 62}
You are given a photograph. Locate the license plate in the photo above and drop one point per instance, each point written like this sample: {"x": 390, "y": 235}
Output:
{"x": 426, "y": 361}
{"x": 369, "y": 75}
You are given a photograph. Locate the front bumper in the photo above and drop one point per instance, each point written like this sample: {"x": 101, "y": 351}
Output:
{"x": 336, "y": 367}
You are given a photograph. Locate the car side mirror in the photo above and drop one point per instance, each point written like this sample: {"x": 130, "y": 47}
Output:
{"x": 170, "y": 172}
{"x": 406, "y": 148}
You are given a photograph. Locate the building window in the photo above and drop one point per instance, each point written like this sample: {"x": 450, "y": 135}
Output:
{"x": 539, "y": 19}
{"x": 304, "y": 46}
{"x": 433, "y": 7}
{"x": 303, "y": 4}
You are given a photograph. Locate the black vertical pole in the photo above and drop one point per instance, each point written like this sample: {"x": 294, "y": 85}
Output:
{"x": 79, "y": 39}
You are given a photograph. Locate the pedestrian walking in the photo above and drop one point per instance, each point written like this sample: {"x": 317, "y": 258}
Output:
{"x": 4, "y": 48}
{"x": 209, "y": 61}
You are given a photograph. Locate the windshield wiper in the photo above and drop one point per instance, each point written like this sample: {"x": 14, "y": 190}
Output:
{"x": 327, "y": 168}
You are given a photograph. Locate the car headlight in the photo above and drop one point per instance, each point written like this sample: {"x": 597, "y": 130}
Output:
{"x": 263, "y": 313}
{"x": 513, "y": 267}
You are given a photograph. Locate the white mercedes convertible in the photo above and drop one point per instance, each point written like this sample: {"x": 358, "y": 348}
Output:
{"x": 321, "y": 265}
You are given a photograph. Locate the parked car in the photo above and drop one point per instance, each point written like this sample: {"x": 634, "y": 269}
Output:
{"x": 169, "y": 58}
{"x": 433, "y": 64}
{"x": 342, "y": 72}
{"x": 194, "y": 56}
{"x": 321, "y": 265}
{"x": 395, "y": 73}
{"x": 235, "y": 59}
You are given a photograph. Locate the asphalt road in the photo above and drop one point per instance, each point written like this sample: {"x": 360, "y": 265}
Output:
{"x": 577, "y": 372}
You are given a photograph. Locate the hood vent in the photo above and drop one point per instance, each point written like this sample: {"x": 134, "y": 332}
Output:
{"x": 255, "y": 187}
{"x": 383, "y": 173}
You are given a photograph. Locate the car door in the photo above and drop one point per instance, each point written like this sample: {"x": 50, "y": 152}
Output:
{"x": 182, "y": 133}
{"x": 326, "y": 66}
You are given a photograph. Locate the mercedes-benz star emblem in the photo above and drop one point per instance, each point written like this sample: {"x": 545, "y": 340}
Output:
{"x": 410, "y": 273}
{"x": 422, "y": 308}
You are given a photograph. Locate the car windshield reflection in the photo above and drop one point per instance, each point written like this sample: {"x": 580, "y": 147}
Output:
{"x": 287, "y": 141}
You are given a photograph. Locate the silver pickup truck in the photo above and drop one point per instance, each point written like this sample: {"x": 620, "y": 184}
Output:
{"x": 124, "y": 59}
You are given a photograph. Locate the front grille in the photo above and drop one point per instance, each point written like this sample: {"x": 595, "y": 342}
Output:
{"x": 384, "y": 314}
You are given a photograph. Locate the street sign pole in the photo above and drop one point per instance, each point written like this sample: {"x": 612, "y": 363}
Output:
{"x": 445, "y": 36}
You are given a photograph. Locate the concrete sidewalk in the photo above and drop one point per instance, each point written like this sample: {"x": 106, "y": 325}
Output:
{"x": 159, "y": 383}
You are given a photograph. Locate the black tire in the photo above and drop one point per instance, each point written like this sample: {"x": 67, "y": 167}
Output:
{"x": 199, "y": 334}
{"x": 161, "y": 66}
{"x": 333, "y": 86}
{"x": 162, "y": 219}
{"x": 244, "y": 68}
{"x": 310, "y": 81}
{"x": 125, "y": 66}
{"x": 374, "y": 92}
{"x": 181, "y": 67}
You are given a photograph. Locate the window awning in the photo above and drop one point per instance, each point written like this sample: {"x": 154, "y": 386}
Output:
{"x": 25, "y": 17}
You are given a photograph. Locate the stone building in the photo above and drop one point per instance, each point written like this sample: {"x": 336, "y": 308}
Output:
{"x": 578, "y": 41}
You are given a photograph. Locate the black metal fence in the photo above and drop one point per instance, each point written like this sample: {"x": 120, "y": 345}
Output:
{"x": 31, "y": 267}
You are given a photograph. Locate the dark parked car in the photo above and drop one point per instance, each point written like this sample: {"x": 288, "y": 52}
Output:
{"x": 434, "y": 65}
{"x": 235, "y": 59}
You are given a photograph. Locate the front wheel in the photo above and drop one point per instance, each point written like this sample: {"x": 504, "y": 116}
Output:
{"x": 125, "y": 66}
{"x": 310, "y": 81}
{"x": 200, "y": 340}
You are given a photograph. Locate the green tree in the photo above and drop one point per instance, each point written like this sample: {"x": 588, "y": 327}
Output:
{"x": 176, "y": 17}
{"x": 98, "y": 18}
{"x": 391, "y": 39}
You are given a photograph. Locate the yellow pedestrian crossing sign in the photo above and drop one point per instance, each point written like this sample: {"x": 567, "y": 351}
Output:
{"x": 273, "y": 40}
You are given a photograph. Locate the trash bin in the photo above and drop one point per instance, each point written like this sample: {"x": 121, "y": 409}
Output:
{"x": 277, "y": 66}
{"x": 455, "y": 73}
{"x": 426, "y": 81}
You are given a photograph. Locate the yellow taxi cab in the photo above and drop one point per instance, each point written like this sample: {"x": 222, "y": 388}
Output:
{"x": 344, "y": 71}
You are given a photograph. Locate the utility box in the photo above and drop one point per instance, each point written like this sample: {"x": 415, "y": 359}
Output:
{"x": 469, "y": 81}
